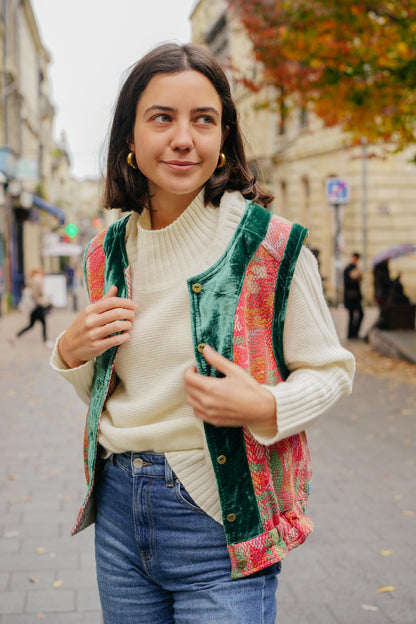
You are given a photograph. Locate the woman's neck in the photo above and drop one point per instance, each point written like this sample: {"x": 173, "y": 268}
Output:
{"x": 165, "y": 210}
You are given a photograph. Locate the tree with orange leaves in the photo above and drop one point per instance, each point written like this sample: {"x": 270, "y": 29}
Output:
{"x": 353, "y": 61}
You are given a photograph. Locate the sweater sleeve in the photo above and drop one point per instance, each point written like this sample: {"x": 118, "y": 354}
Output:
{"x": 80, "y": 377}
{"x": 321, "y": 370}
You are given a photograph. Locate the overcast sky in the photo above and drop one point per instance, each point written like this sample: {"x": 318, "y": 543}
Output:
{"x": 92, "y": 44}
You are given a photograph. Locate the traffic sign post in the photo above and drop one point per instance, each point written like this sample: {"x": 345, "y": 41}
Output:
{"x": 337, "y": 191}
{"x": 337, "y": 194}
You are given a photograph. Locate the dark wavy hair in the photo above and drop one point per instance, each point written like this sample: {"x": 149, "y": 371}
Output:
{"x": 126, "y": 188}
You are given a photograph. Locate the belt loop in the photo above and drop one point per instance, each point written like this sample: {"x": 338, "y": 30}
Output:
{"x": 168, "y": 474}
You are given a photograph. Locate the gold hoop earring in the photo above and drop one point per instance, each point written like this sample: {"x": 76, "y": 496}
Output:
{"x": 221, "y": 160}
{"x": 130, "y": 160}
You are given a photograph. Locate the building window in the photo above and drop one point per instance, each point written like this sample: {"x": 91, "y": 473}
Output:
{"x": 306, "y": 201}
{"x": 282, "y": 208}
{"x": 303, "y": 117}
{"x": 282, "y": 108}
{"x": 217, "y": 39}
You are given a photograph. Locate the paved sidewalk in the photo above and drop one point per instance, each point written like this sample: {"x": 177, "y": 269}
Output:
{"x": 45, "y": 575}
{"x": 362, "y": 502}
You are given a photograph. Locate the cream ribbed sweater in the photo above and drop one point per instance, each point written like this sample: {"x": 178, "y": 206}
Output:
{"x": 148, "y": 410}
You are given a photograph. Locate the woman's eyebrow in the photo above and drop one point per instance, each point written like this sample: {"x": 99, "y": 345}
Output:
{"x": 206, "y": 109}
{"x": 159, "y": 107}
{"x": 200, "y": 109}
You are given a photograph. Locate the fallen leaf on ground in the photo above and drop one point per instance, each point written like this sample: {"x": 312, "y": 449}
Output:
{"x": 408, "y": 512}
{"x": 386, "y": 588}
{"x": 57, "y": 583}
{"x": 40, "y": 550}
{"x": 372, "y": 363}
{"x": 386, "y": 553}
{"x": 369, "y": 607}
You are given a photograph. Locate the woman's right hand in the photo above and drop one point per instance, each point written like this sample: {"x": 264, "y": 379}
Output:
{"x": 98, "y": 327}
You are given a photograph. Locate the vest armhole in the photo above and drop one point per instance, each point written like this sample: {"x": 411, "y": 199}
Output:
{"x": 297, "y": 238}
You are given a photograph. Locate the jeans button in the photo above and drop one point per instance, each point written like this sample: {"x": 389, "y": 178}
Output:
{"x": 138, "y": 463}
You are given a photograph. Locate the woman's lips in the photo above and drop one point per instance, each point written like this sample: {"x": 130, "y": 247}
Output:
{"x": 180, "y": 165}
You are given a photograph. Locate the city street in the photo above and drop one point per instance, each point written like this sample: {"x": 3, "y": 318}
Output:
{"x": 358, "y": 566}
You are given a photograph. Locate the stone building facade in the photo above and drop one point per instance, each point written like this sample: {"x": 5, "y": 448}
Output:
{"x": 26, "y": 121}
{"x": 38, "y": 196}
{"x": 297, "y": 155}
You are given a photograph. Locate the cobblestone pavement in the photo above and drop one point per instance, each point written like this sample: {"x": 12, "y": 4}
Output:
{"x": 357, "y": 567}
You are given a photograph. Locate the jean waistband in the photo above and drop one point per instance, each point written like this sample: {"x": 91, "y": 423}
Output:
{"x": 145, "y": 464}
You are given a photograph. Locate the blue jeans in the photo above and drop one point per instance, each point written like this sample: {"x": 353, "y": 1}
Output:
{"x": 161, "y": 559}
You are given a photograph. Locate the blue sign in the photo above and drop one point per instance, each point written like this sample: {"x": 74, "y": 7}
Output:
{"x": 337, "y": 191}
{"x": 7, "y": 162}
{"x": 27, "y": 169}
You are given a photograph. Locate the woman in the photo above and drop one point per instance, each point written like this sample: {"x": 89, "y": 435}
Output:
{"x": 206, "y": 351}
{"x": 39, "y": 303}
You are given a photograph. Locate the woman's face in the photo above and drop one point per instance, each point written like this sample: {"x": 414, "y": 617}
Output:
{"x": 177, "y": 137}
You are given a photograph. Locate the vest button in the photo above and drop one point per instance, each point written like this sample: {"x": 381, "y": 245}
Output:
{"x": 241, "y": 564}
{"x": 231, "y": 517}
{"x": 200, "y": 347}
{"x": 196, "y": 288}
{"x": 221, "y": 459}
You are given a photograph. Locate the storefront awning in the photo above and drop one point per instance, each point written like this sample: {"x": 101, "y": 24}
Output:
{"x": 62, "y": 249}
{"x": 43, "y": 205}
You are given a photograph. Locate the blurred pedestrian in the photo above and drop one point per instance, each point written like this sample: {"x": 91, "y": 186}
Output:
{"x": 76, "y": 288}
{"x": 382, "y": 291}
{"x": 69, "y": 276}
{"x": 352, "y": 295}
{"x": 73, "y": 284}
{"x": 207, "y": 350}
{"x": 397, "y": 294}
{"x": 36, "y": 303}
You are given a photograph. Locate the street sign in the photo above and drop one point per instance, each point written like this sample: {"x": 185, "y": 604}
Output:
{"x": 337, "y": 191}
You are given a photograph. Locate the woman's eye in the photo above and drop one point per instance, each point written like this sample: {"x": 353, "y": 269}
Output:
{"x": 162, "y": 118}
{"x": 205, "y": 120}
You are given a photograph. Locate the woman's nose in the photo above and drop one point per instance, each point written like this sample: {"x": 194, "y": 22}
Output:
{"x": 182, "y": 137}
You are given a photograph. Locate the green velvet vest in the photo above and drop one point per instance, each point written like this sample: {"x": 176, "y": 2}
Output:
{"x": 238, "y": 307}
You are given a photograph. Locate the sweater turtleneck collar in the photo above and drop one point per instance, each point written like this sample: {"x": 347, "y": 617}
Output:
{"x": 187, "y": 246}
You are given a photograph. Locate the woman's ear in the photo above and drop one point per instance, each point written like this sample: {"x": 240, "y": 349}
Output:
{"x": 130, "y": 143}
{"x": 224, "y": 135}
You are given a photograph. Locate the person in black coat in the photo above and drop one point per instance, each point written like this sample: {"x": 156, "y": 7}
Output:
{"x": 352, "y": 296}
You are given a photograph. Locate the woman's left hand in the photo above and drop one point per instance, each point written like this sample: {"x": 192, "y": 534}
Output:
{"x": 230, "y": 401}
